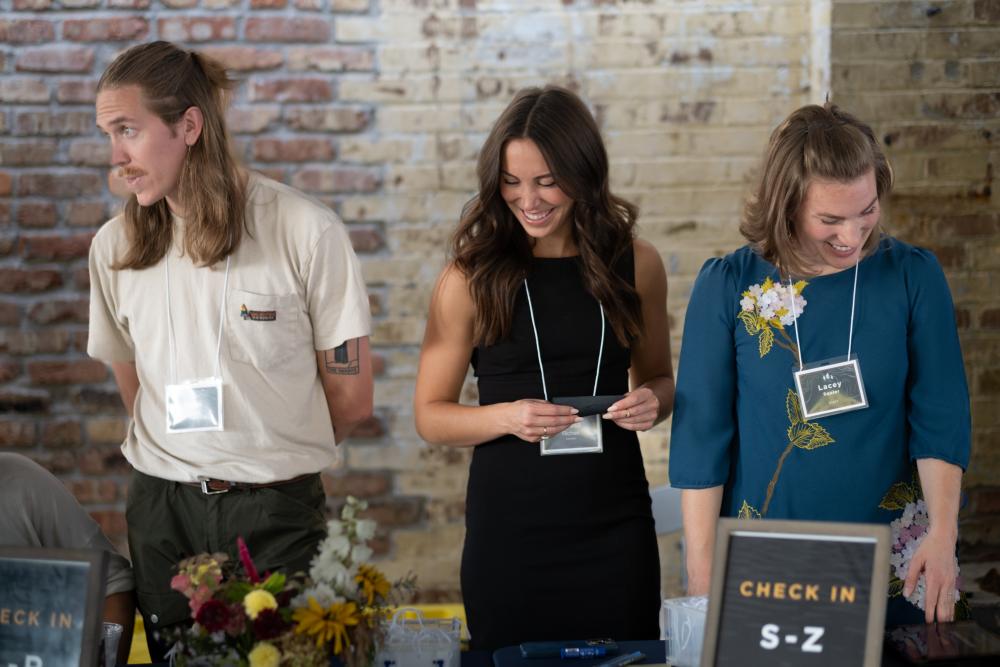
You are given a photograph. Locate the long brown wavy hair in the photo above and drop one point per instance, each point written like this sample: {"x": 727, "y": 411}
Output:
{"x": 823, "y": 142}
{"x": 494, "y": 252}
{"x": 211, "y": 187}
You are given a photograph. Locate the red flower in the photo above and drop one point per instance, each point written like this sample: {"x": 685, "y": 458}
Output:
{"x": 269, "y": 624}
{"x": 213, "y": 615}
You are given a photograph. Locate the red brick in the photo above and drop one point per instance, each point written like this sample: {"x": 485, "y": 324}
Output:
{"x": 60, "y": 185}
{"x": 27, "y": 32}
{"x": 357, "y": 483}
{"x": 56, "y": 311}
{"x": 23, "y": 401}
{"x": 989, "y": 382}
{"x": 32, "y": 5}
{"x": 55, "y": 248}
{"x": 23, "y": 91}
{"x": 268, "y": 4}
{"x": 13, "y": 281}
{"x": 77, "y": 91}
{"x": 963, "y": 318}
{"x": 4, "y": 213}
{"x": 341, "y": 119}
{"x": 86, "y": 214}
{"x": 67, "y": 372}
{"x": 251, "y": 119}
{"x": 93, "y": 492}
{"x": 91, "y": 400}
{"x": 37, "y": 215}
{"x": 990, "y": 319}
{"x": 179, "y": 4}
{"x": 16, "y": 433}
{"x": 53, "y": 123}
{"x": 9, "y": 370}
{"x": 295, "y": 30}
{"x": 242, "y": 58}
{"x": 291, "y": 90}
{"x": 81, "y": 278}
{"x": 22, "y": 152}
{"x": 366, "y": 239}
{"x": 123, "y": 29}
{"x": 332, "y": 58}
{"x": 292, "y": 150}
{"x": 375, "y": 306}
{"x": 28, "y": 342}
{"x": 55, "y": 59}
{"x": 969, "y": 225}
{"x": 395, "y": 511}
{"x": 62, "y": 434}
{"x": 107, "y": 430}
{"x": 7, "y": 244}
{"x": 10, "y": 314}
{"x": 90, "y": 152}
{"x": 370, "y": 428}
{"x": 102, "y": 460}
{"x": 197, "y": 28}
{"x": 5, "y": 184}
{"x": 336, "y": 179}
{"x": 128, "y": 4}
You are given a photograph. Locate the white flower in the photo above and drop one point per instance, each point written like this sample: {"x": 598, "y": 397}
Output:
{"x": 365, "y": 529}
{"x": 327, "y": 567}
{"x": 360, "y": 553}
{"x": 321, "y": 592}
{"x": 756, "y": 291}
{"x": 334, "y": 527}
{"x": 747, "y": 303}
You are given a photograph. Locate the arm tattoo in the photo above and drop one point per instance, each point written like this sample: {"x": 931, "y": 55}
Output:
{"x": 343, "y": 359}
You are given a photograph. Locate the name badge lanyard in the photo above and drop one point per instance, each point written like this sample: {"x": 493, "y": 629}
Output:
{"x": 827, "y": 388}
{"x": 582, "y": 436}
{"x": 195, "y": 405}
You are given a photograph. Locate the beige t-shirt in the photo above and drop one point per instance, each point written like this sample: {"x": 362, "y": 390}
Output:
{"x": 295, "y": 287}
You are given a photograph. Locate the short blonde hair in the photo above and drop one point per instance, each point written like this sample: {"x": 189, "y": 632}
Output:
{"x": 814, "y": 142}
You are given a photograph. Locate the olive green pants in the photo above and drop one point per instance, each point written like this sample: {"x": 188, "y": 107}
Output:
{"x": 170, "y": 521}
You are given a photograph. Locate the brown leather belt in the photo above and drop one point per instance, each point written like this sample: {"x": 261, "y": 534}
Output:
{"x": 211, "y": 487}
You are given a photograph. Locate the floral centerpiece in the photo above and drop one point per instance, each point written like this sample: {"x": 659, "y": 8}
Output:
{"x": 242, "y": 618}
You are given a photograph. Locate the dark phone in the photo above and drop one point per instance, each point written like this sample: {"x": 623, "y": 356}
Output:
{"x": 554, "y": 649}
{"x": 928, "y": 644}
{"x": 589, "y": 405}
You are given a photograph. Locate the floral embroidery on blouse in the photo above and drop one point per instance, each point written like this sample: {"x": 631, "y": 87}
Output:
{"x": 767, "y": 308}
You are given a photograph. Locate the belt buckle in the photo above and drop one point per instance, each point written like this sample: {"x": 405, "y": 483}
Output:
{"x": 211, "y": 492}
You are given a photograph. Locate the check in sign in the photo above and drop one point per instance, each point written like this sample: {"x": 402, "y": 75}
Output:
{"x": 797, "y": 593}
{"x": 50, "y": 607}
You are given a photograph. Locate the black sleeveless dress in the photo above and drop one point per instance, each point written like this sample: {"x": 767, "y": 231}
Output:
{"x": 563, "y": 546}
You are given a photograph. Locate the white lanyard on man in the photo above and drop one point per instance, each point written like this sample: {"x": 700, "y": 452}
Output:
{"x": 194, "y": 405}
{"x": 828, "y": 388}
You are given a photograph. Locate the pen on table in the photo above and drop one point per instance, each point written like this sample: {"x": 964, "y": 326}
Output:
{"x": 621, "y": 660}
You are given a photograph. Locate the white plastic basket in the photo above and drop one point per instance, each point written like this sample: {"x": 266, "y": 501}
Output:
{"x": 420, "y": 641}
{"x": 684, "y": 629}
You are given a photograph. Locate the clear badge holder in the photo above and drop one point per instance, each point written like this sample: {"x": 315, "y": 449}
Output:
{"x": 195, "y": 405}
{"x": 830, "y": 387}
{"x": 583, "y": 437}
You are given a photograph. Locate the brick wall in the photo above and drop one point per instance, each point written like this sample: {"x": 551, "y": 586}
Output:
{"x": 379, "y": 107}
{"x": 927, "y": 75}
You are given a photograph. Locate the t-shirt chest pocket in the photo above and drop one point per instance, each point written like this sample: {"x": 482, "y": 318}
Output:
{"x": 263, "y": 328}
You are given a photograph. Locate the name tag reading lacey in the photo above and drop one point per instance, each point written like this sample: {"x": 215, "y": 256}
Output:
{"x": 830, "y": 388}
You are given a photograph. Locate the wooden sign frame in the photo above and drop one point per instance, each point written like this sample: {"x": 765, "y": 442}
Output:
{"x": 97, "y": 562}
{"x": 878, "y": 534}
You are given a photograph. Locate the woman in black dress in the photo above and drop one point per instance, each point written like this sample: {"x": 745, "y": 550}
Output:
{"x": 548, "y": 295}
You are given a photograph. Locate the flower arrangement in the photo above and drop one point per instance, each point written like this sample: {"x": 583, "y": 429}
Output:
{"x": 245, "y": 619}
{"x": 768, "y": 308}
{"x": 908, "y": 531}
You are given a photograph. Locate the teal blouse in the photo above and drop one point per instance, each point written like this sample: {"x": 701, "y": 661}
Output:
{"x": 736, "y": 419}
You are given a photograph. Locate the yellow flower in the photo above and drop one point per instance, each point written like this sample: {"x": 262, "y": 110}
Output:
{"x": 327, "y": 624}
{"x": 257, "y": 601}
{"x": 264, "y": 655}
{"x": 372, "y": 583}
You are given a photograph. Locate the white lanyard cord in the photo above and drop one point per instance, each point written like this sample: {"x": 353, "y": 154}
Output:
{"x": 538, "y": 348}
{"x": 795, "y": 318}
{"x": 170, "y": 322}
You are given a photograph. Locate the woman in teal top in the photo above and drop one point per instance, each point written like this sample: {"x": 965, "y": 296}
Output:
{"x": 819, "y": 279}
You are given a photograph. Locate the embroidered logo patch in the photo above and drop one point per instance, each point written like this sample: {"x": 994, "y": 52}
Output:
{"x": 258, "y": 315}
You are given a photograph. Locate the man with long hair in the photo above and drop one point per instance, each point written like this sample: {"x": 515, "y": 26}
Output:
{"x": 233, "y": 313}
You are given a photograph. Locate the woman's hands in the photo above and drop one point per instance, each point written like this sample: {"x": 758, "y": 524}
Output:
{"x": 531, "y": 419}
{"x": 935, "y": 559}
{"x": 636, "y": 411}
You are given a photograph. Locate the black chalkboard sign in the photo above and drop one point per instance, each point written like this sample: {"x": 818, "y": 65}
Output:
{"x": 791, "y": 593}
{"x": 51, "y": 602}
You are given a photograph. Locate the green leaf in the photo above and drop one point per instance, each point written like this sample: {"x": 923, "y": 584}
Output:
{"x": 237, "y": 590}
{"x": 809, "y": 436}
{"x": 274, "y": 584}
{"x": 766, "y": 340}
{"x": 747, "y": 511}
{"x": 750, "y": 321}
{"x": 793, "y": 409}
{"x": 895, "y": 586}
{"x": 899, "y": 494}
